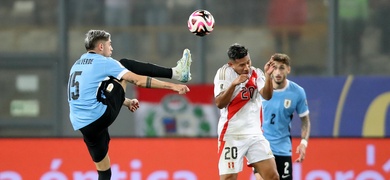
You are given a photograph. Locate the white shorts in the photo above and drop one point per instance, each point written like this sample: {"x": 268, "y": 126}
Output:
{"x": 233, "y": 150}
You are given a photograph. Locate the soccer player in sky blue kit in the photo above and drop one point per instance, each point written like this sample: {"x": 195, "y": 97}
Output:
{"x": 278, "y": 113}
{"x": 96, "y": 93}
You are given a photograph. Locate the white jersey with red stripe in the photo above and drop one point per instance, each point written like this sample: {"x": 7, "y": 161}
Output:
{"x": 242, "y": 116}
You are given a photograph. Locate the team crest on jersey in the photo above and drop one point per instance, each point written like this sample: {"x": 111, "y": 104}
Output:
{"x": 221, "y": 87}
{"x": 287, "y": 103}
{"x": 230, "y": 165}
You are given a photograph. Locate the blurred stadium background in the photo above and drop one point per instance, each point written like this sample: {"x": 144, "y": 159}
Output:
{"x": 43, "y": 38}
{"x": 340, "y": 52}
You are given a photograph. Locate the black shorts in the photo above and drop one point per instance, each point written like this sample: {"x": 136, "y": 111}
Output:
{"x": 284, "y": 166}
{"x": 96, "y": 135}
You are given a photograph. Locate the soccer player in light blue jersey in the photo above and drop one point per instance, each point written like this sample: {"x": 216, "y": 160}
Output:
{"x": 288, "y": 97}
{"x": 96, "y": 93}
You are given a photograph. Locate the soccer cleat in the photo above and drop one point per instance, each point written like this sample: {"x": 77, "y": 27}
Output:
{"x": 183, "y": 66}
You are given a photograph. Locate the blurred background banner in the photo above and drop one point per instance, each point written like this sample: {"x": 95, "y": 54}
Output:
{"x": 351, "y": 106}
{"x": 184, "y": 159}
{"x": 167, "y": 114}
{"x": 339, "y": 49}
{"x": 339, "y": 107}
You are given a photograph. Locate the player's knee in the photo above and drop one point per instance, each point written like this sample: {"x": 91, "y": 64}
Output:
{"x": 104, "y": 164}
{"x": 258, "y": 177}
{"x": 270, "y": 175}
{"x": 274, "y": 176}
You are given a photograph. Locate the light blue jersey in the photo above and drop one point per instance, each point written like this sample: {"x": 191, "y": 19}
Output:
{"x": 278, "y": 113}
{"x": 85, "y": 77}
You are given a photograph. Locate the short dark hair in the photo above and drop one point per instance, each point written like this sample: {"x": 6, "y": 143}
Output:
{"x": 237, "y": 51}
{"x": 93, "y": 36}
{"x": 283, "y": 58}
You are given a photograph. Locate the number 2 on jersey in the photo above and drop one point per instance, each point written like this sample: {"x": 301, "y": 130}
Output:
{"x": 273, "y": 118}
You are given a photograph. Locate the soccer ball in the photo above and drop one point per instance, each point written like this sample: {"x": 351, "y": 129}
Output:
{"x": 201, "y": 22}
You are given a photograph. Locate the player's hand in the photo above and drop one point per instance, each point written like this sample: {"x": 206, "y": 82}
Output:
{"x": 269, "y": 66}
{"x": 134, "y": 105}
{"x": 181, "y": 89}
{"x": 240, "y": 79}
{"x": 301, "y": 150}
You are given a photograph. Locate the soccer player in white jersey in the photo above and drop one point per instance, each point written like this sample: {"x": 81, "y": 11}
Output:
{"x": 237, "y": 90}
{"x": 278, "y": 112}
{"x": 96, "y": 93}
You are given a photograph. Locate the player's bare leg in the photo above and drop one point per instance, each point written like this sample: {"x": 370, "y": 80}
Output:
{"x": 103, "y": 164}
{"x": 228, "y": 176}
{"x": 267, "y": 169}
{"x": 258, "y": 177}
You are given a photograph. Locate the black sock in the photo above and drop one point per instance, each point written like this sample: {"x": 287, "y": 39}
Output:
{"x": 104, "y": 175}
{"x": 146, "y": 69}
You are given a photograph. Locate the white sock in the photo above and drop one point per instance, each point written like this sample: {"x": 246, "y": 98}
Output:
{"x": 175, "y": 74}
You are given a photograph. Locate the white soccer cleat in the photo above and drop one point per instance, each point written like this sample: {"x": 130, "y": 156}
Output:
{"x": 183, "y": 66}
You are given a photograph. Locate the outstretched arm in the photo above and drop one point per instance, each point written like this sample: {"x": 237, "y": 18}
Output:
{"x": 148, "y": 82}
{"x": 305, "y": 133}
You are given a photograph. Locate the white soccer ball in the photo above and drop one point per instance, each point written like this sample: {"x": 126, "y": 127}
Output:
{"x": 201, "y": 22}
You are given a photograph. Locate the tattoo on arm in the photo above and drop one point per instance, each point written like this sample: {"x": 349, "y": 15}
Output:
{"x": 305, "y": 127}
{"x": 131, "y": 81}
{"x": 148, "y": 82}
